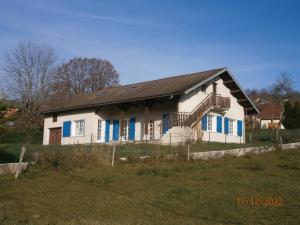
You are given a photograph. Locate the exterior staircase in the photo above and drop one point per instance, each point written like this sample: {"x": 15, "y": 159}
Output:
{"x": 182, "y": 123}
{"x": 211, "y": 102}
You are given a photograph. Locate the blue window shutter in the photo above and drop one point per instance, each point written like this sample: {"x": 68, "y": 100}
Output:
{"x": 219, "y": 124}
{"x": 239, "y": 128}
{"x": 226, "y": 125}
{"x": 132, "y": 129}
{"x": 116, "y": 130}
{"x": 107, "y": 125}
{"x": 67, "y": 129}
{"x": 204, "y": 122}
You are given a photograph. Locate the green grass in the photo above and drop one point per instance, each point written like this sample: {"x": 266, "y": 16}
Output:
{"x": 202, "y": 192}
{"x": 10, "y": 152}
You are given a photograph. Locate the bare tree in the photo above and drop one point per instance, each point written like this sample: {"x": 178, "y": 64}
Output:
{"x": 29, "y": 68}
{"x": 282, "y": 91}
{"x": 81, "y": 75}
{"x": 251, "y": 121}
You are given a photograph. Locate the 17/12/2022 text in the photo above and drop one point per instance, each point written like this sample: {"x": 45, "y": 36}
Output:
{"x": 260, "y": 201}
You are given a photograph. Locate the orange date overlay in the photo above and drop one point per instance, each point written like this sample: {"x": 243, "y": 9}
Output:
{"x": 259, "y": 201}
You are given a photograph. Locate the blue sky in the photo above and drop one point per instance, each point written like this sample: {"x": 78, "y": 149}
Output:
{"x": 256, "y": 40}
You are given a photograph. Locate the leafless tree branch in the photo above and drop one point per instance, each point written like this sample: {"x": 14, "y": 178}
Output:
{"x": 29, "y": 68}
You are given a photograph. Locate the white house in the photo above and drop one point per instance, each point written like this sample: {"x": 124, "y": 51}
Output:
{"x": 207, "y": 106}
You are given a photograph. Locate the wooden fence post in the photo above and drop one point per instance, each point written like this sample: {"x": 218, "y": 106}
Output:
{"x": 19, "y": 166}
{"x": 113, "y": 156}
{"x": 188, "y": 152}
{"x": 170, "y": 144}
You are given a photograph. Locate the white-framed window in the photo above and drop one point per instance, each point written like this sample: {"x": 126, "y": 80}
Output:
{"x": 125, "y": 128}
{"x": 79, "y": 127}
{"x": 210, "y": 119}
{"x": 99, "y": 130}
{"x": 231, "y": 126}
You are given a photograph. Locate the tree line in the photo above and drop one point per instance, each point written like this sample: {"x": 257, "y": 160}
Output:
{"x": 33, "y": 76}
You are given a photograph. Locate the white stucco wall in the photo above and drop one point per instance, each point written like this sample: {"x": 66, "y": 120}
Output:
{"x": 91, "y": 122}
{"x": 105, "y": 113}
{"x": 187, "y": 103}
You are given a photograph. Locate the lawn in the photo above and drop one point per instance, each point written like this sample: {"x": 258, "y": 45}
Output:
{"x": 175, "y": 192}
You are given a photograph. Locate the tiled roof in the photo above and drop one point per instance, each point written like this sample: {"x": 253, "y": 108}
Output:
{"x": 175, "y": 85}
{"x": 270, "y": 111}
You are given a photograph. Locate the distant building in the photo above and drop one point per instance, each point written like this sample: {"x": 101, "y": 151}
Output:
{"x": 269, "y": 115}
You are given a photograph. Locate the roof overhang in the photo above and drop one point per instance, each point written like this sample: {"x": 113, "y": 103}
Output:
{"x": 236, "y": 90}
{"x": 87, "y": 107}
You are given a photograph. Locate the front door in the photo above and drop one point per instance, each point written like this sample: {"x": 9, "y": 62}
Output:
{"x": 55, "y": 136}
{"x": 116, "y": 130}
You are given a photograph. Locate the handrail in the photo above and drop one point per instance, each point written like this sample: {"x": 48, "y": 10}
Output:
{"x": 201, "y": 103}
